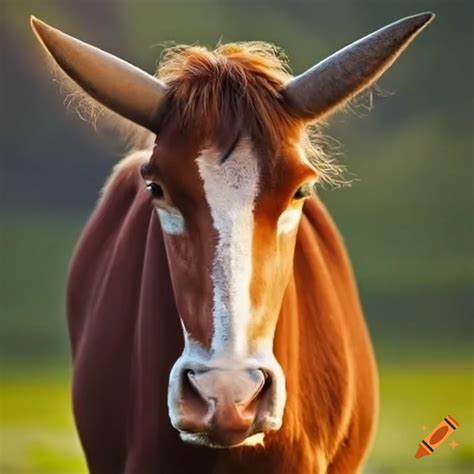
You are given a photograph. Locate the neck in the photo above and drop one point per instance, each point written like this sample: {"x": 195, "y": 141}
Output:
{"x": 311, "y": 346}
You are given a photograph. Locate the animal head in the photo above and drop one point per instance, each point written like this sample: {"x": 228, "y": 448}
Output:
{"x": 228, "y": 176}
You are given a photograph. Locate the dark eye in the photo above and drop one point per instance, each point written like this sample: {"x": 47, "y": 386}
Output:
{"x": 305, "y": 191}
{"x": 155, "y": 190}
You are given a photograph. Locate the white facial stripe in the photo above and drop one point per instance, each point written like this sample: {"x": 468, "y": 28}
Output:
{"x": 231, "y": 188}
{"x": 288, "y": 221}
{"x": 172, "y": 221}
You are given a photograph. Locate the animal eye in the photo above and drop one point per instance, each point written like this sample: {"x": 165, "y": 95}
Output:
{"x": 155, "y": 190}
{"x": 304, "y": 191}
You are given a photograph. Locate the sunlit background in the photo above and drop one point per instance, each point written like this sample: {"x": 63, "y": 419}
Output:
{"x": 407, "y": 219}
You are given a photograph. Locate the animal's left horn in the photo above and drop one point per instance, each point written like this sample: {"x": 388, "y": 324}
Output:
{"x": 341, "y": 76}
{"x": 120, "y": 86}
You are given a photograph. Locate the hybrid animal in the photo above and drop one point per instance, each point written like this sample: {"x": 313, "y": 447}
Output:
{"x": 211, "y": 302}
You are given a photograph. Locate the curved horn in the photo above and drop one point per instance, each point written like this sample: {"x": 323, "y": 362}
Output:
{"x": 347, "y": 72}
{"x": 120, "y": 86}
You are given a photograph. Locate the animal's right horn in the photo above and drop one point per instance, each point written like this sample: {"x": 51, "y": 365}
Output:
{"x": 120, "y": 86}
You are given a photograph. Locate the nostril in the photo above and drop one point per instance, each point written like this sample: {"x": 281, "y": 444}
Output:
{"x": 193, "y": 405}
{"x": 263, "y": 377}
{"x": 266, "y": 382}
{"x": 266, "y": 374}
{"x": 268, "y": 379}
{"x": 263, "y": 390}
{"x": 252, "y": 390}
{"x": 191, "y": 389}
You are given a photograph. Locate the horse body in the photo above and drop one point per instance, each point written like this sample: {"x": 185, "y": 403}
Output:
{"x": 126, "y": 336}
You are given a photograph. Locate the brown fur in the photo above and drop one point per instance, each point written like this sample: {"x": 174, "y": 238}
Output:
{"x": 126, "y": 335}
{"x": 123, "y": 316}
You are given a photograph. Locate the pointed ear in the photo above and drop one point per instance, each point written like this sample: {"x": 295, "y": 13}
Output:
{"x": 120, "y": 86}
{"x": 328, "y": 85}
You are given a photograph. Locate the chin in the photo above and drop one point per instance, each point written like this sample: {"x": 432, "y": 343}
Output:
{"x": 203, "y": 439}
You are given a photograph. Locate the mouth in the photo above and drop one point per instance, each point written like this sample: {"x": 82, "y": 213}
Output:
{"x": 203, "y": 439}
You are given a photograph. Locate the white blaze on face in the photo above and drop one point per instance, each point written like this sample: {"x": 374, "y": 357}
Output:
{"x": 231, "y": 188}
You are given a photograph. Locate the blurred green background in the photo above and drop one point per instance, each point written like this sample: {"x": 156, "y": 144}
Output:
{"x": 407, "y": 219}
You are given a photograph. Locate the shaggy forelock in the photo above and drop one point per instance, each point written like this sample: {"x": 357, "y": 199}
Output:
{"x": 237, "y": 88}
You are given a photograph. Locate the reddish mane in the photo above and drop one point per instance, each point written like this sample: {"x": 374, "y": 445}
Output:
{"x": 237, "y": 87}
{"x": 234, "y": 86}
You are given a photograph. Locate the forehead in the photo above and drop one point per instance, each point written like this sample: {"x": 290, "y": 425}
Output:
{"x": 229, "y": 176}
{"x": 176, "y": 151}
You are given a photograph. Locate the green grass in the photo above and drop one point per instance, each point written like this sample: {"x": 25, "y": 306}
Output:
{"x": 419, "y": 394}
{"x": 38, "y": 436}
{"x": 37, "y": 433}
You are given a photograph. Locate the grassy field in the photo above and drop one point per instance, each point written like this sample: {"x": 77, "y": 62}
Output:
{"x": 37, "y": 433}
{"x": 413, "y": 396}
{"x": 38, "y": 437}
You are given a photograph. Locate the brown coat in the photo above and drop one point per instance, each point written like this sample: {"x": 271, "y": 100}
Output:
{"x": 126, "y": 335}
